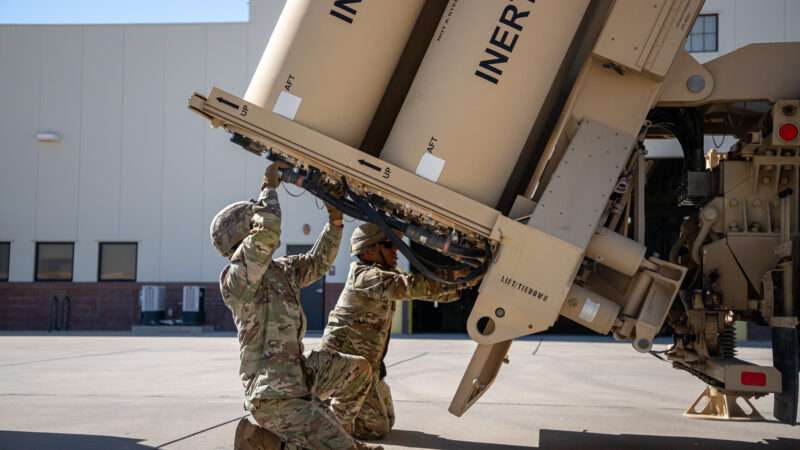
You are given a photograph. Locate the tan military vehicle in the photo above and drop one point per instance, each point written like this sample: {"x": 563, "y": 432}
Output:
{"x": 511, "y": 137}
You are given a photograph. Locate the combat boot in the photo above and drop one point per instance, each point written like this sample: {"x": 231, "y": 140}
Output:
{"x": 253, "y": 437}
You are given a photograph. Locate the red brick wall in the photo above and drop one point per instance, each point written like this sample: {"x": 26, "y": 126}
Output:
{"x": 108, "y": 306}
{"x": 96, "y": 306}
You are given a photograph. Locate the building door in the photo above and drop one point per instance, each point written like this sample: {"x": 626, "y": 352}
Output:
{"x": 312, "y": 298}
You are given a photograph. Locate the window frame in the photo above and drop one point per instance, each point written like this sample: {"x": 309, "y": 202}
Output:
{"x": 687, "y": 43}
{"x": 36, "y": 263}
{"x": 8, "y": 262}
{"x": 100, "y": 261}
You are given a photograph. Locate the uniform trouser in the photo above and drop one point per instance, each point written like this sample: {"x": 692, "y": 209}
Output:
{"x": 376, "y": 417}
{"x": 309, "y": 421}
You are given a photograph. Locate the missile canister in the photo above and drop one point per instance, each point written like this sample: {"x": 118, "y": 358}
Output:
{"x": 328, "y": 62}
{"x": 479, "y": 90}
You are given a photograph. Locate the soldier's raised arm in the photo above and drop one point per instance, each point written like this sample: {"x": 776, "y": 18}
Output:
{"x": 313, "y": 265}
{"x": 253, "y": 256}
{"x": 391, "y": 285}
{"x": 248, "y": 233}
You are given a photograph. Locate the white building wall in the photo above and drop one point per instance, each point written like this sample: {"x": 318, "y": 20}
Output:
{"x": 101, "y": 145}
{"x": 743, "y": 22}
{"x": 58, "y": 164}
{"x": 143, "y": 111}
{"x": 184, "y": 151}
{"x": 225, "y": 164}
{"x": 134, "y": 164}
{"x": 20, "y": 87}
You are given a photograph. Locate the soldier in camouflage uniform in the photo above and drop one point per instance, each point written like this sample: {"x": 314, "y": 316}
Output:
{"x": 361, "y": 322}
{"x": 284, "y": 390}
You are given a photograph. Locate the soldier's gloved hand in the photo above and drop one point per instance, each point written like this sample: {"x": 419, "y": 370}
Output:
{"x": 463, "y": 273}
{"x": 272, "y": 176}
{"x": 334, "y": 215}
{"x": 267, "y": 211}
{"x": 473, "y": 283}
{"x": 457, "y": 275}
{"x": 338, "y": 191}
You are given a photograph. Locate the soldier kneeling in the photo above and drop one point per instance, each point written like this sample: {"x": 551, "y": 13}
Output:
{"x": 284, "y": 389}
{"x": 361, "y": 322}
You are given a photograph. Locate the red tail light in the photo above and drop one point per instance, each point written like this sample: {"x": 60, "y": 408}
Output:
{"x": 754, "y": 379}
{"x": 788, "y": 132}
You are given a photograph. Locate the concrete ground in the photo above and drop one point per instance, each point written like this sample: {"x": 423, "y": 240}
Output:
{"x": 70, "y": 392}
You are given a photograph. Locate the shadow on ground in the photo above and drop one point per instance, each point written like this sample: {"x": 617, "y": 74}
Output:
{"x": 419, "y": 439}
{"x": 18, "y": 440}
{"x": 571, "y": 440}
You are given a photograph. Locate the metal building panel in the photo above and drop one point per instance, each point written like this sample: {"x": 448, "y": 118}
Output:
{"x": 100, "y": 156}
{"x": 225, "y": 168}
{"x": 143, "y": 145}
{"x": 101, "y": 133}
{"x": 769, "y": 16}
{"x": 791, "y": 15}
{"x": 182, "y": 237}
{"x": 57, "y": 174}
{"x": 21, "y": 93}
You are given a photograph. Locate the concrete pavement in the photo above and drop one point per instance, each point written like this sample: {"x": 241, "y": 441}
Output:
{"x": 92, "y": 392}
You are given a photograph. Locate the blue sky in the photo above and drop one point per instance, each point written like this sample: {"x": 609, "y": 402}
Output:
{"x": 121, "y": 11}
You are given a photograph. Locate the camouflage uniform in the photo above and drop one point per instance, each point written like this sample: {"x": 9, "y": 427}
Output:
{"x": 360, "y": 324}
{"x": 284, "y": 389}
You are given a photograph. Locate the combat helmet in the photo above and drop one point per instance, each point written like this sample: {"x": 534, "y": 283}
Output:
{"x": 230, "y": 226}
{"x": 364, "y": 236}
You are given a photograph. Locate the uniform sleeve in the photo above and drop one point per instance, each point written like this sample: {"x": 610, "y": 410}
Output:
{"x": 310, "y": 267}
{"x": 390, "y": 285}
{"x": 253, "y": 256}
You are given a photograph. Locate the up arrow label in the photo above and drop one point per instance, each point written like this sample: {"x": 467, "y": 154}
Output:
{"x": 364, "y": 162}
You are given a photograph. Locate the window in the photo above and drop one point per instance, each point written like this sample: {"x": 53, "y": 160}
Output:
{"x": 117, "y": 261}
{"x": 704, "y": 37}
{"x": 54, "y": 261}
{"x": 5, "y": 248}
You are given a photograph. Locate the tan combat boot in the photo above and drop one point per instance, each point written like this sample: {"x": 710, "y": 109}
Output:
{"x": 253, "y": 437}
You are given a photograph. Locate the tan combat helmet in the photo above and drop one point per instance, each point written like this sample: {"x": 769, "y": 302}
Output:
{"x": 364, "y": 236}
{"x": 230, "y": 226}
